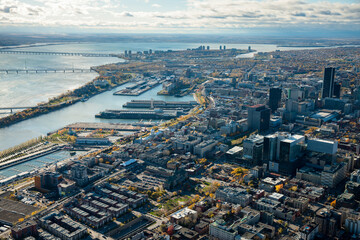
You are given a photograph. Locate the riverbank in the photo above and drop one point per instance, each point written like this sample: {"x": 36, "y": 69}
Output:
{"x": 103, "y": 82}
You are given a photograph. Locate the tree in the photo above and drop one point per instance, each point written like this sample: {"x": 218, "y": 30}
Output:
{"x": 278, "y": 187}
{"x": 333, "y": 203}
{"x": 163, "y": 227}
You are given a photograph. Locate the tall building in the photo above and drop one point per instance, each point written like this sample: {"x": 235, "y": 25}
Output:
{"x": 47, "y": 181}
{"x": 290, "y": 148}
{"x": 275, "y": 98}
{"x": 258, "y": 117}
{"x": 328, "y": 84}
{"x": 290, "y": 151}
{"x": 253, "y": 149}
{"x": 337, "y": 90}
{"x": 272, "y": 146}
{"x": 79, "y": 174}
{"x": 328, "y": 221}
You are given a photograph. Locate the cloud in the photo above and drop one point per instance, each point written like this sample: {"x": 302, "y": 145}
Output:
{"x": 126, "y": 14}
{"x": 301, "y": 14}
{"x": 7, "y": 9}
{"x": 195, "y": 14}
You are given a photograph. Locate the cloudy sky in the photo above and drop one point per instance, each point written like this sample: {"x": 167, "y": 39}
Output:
{"x": 181, "y": 16}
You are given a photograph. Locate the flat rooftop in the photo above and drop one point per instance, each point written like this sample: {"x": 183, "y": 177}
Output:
{"x": 235, "y": 150}
{"x": 11, "y": 211}
{"x": 293, "y": 138}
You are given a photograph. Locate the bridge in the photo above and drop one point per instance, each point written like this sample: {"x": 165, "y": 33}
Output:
{"x": 47, "y": 70}
{"x": 15, "y": 108}
{"x": 60, "y": 53}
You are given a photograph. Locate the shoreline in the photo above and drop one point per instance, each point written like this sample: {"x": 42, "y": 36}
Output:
{"x": 87, "y": 90}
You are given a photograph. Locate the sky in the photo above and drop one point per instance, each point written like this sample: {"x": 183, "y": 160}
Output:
{"x": 337, "y": 17}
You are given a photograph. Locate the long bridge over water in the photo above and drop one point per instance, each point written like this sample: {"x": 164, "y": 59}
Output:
{"x": 60, "y": 53}
{"x": 47, "y": 70}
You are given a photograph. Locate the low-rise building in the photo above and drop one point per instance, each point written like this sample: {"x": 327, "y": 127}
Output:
{"x": 62, "y": 227}
{"x": 182, "y": 215}
{"x": 204, "y": 147}
{"x": 24, "y": 229}
{"x": 233, "y": 195}
{"x": 220, "y": 230}
{"x": 308, "y": 232}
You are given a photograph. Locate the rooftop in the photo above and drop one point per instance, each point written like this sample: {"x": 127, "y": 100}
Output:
{"x": 183, "y": 213}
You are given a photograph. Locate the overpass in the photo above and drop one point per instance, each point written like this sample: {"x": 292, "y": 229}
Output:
{"x": 60, "y": 53}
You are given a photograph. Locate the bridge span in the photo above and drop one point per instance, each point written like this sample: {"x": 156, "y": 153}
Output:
{"x": 47, "y": 70}
{"x": 60, "y": 53}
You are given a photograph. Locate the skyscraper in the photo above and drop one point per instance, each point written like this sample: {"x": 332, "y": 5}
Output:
{"x": 275, "y": 98}
{"x": 337, "y": 90}
{"x": 258, "y": 117}
{"x": 328, "y": 84}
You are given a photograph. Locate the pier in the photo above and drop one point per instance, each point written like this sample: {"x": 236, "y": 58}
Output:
{"x": 60, "y": 53}
{"x": 151, "y": 104}
{"x": 139, "y": 114}
{"x": 105, "y": 126}
{"x": 29, "y": 157}
{"x": 138, "y": 88}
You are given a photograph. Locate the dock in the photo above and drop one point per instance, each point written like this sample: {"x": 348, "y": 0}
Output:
{"x": 138, "y": 88}
{"x": 151, "y": 104}
{"x": 139, "y": 114}
{"x": 17, "y": 161}
{"x": 105, "y": 126}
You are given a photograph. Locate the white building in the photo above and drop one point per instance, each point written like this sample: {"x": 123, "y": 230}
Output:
{"x": 250, "y": 143}
{"x": 179, "y": 216}
{"x": 323, "y": 146}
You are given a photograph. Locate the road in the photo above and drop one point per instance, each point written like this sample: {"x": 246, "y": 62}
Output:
{"x": 97, "y": 235}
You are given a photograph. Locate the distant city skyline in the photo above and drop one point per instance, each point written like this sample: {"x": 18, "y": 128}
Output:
{"x": 280, "y": 17}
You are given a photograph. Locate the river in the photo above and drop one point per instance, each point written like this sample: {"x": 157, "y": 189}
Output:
{"x": 31, "y": 89}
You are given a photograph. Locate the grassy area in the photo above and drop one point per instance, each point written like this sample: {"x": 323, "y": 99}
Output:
{"x": 60, "y": 100}
{"x": 171, "y": 204}
{"x": 175, "y": 202}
